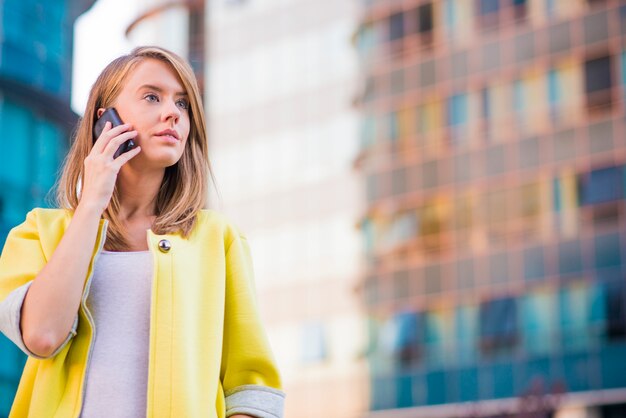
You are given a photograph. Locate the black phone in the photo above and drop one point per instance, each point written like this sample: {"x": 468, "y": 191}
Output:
{"x": 111, "y": 115}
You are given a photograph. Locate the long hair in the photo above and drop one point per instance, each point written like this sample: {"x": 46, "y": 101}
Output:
{"x": 184, "y": 189}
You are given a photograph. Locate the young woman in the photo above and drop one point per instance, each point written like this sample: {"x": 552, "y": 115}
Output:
{"x": 132, "y": 300}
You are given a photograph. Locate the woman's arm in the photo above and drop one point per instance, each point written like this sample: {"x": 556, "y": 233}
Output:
{"x": 249, "y": 374}
{"x": 52, "y": 301}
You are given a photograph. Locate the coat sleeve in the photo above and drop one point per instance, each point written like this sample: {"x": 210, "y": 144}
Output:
{"x": 21, "y": 260}
{"x": 249, "y": 374}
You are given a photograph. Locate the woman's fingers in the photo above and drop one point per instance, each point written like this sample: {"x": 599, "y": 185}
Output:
{"x": 125, "y": 157}
{"x": 108, "y": 133}
{"x": 115, "y": 142}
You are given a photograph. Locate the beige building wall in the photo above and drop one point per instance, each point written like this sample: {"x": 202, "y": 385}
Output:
{"x": 281, "y": 78}
{"x": 163, "y": 23}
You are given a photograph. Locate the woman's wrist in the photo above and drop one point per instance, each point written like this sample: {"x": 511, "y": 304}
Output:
{"x": 88, "y": 210}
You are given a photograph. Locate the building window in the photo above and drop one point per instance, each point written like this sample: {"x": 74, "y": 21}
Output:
{"x": 466, "y": 330}
{"x": 498, "y": 325}
{"x": 486, "y": 7}
{"x": 425, "y": 18}
{"x": 396, "y": 26}
{"x": 313, "y": 343}
{"x": 398, "y": 181}
{"x": 520, "y": 9}
{"x": 616, "y": 311}
{"x": 550, "y": 8}
{"x": 488, "y": 13}
{"x": 598, "y": 82}
{"x": 368, "y": 131}
{"x": 538, "y": 321}
{"x": 555, "y": 93}
{"x": 519, "y": 102}
{"x": 570, "y": 257}
{"x": 534, "y": 263}
{"x": 608, "y": 251}
{"x": 602, "y": 185}
{"x": 560, "y": 39}
{"x": 393, "y": 126}
{"x": 409, "y": 336}
{"x": 424, "y": 23}
{"x": 458, "y": 114}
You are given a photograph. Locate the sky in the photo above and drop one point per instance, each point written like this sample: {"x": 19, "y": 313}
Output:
{"x": 98, "y": 39}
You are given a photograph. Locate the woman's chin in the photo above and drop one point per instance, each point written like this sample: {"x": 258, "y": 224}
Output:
{"x": 160, "y": 160}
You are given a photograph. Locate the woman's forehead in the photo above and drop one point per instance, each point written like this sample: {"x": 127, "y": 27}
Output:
{"x": 154, "y": 73}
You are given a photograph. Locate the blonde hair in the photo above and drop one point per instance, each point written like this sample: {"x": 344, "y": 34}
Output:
{"x": 184, "y": 190}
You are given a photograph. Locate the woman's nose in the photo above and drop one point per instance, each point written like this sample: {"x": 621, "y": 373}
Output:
{"x": 171, "y": 111}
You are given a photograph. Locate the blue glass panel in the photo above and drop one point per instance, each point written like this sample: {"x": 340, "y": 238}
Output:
{"x": 503, "y": 380}
{"x": 489, "y": 6}
{"x": 383, "y": 394}
{"x": 16, "y": 122}
{"x": 602, "y": 185}
{"x": 404, "y": 392}
{"x": 498, "y": 318}
{"x": 577, "y": 371}
{"x": 466, "y": 331}
{"x": 409, "y": 335}
{"x": 457, "y": 110}
{"x": 534, "y": 373}
{"x": 11, "y": 364}
{"x": 556, "y": 194}
{"x": 450, "y": 13}
{"x": 613, "y": 366}
{"x": 554, "y": 92}
{"x": 468, "y": 385}
{"x": 570, "y": 259}
{"x": 436, "y": 382}
{"x": 396, "y": 26}
{"x": 608, "y": 251}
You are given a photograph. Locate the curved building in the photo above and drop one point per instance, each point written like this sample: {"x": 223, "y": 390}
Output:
{"x": 36, "y": 122}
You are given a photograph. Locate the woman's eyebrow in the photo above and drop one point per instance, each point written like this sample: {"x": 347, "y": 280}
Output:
{"x": 158, "y": 89}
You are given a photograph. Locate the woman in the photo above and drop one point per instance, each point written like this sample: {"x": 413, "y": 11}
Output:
{"x": 133, "y": 300}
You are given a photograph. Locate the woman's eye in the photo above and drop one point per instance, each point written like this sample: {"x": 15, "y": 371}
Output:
{"x": 183, "y": 104}
{"x": 151, "y": 97}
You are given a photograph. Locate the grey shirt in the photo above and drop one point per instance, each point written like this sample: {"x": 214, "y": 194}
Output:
{"x": 119, "y": 301}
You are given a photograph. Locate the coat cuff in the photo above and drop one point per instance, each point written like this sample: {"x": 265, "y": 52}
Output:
{"x": 10, "y": 318}
{"x": 255, "y": 400}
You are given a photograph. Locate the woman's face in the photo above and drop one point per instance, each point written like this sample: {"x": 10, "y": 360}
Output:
{"x": 155, "y": 103}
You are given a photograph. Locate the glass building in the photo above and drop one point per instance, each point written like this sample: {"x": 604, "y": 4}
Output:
{"x": 494, "y": 162}
{"x": 36, "y": 123}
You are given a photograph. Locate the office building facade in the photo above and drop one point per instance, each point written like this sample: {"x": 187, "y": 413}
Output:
{"x": 283, "y": 133}
{"x": 494, "y": 162}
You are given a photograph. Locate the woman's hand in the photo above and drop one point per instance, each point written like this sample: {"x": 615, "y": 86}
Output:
{"x": 101, "y": 169}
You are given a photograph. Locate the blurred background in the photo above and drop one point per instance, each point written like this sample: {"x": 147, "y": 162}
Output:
{"x": 434, "y": 190}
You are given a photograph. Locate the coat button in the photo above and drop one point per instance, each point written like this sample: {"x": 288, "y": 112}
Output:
{"x": 164, "y": 246}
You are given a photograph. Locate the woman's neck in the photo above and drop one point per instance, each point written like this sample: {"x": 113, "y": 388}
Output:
{"x": 138, "y": 192}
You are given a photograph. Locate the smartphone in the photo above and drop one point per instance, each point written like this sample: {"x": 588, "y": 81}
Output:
{"x": 111, "y": 115}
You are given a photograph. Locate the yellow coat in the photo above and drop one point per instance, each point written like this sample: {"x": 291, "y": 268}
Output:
{"x": 206, "y": 339}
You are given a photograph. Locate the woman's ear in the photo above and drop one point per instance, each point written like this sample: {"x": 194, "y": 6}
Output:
{"x": 100, "y": 111}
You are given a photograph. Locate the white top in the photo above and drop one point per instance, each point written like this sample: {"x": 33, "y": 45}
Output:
{"x": 119, "y": 301}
